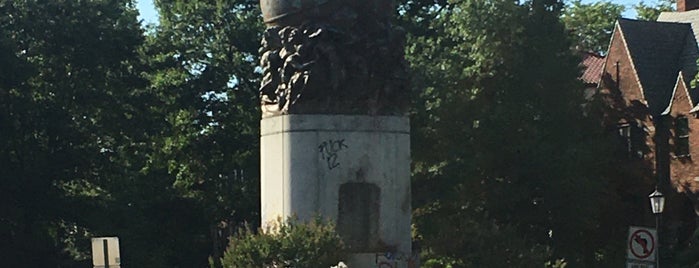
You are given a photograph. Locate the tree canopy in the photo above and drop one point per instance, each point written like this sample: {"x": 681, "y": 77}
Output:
{"x": 651, "y": 12}
{"x": 107, "y": 130}
{"x": 151, "y": 133}
{"x": 591, "y": 24}
{"x": 64, "y": 109}
{"x": 501, "y": 146}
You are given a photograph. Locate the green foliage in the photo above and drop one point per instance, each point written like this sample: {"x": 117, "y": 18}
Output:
{"x": 651, "y": 13}
{"x": 107, "y": 131}
{"x": 286, "y": 244}
{"x": 505, "y": 164}
{"x": 560, "y": 263}
{"x": 154, "y": 137}
{"x": 64, "y": 103}
{"x": 591, "y": 24}
{"x": 695, "y": 81}
{"x": 202, "y": 58}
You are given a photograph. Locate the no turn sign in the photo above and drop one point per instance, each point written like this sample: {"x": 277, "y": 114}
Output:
{"x": 642, "y": 244}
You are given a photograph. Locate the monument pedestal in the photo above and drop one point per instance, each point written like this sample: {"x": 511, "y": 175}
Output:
{"x": 352, "y": 169}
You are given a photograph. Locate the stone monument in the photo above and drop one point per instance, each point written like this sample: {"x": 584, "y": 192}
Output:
{"x": 335, "y": 136}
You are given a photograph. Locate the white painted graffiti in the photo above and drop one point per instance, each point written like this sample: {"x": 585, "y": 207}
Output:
{"x": 392, "y": 259}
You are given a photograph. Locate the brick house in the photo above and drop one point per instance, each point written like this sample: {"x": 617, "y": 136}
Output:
{"x": 645, "y": 84}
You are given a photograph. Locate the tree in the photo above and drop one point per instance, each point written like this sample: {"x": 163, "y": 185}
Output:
{"x": 119, "y": 133}
{"x": 591, "y": 25}
{"x": 154, "y": 138}
{"x": 63, "y": 105}
{"x": 501, "y": 146}
{"x": 651, "y": 13}
{"x": 288, "y": 243}
{"x": 203, "y": 57}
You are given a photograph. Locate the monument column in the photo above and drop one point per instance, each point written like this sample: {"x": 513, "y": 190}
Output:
{"x": 335, "y": 137}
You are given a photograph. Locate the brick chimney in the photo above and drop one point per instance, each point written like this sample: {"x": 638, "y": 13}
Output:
{"x": 687, "y": 5}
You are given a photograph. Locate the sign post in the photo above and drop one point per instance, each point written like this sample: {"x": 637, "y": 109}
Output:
{"x": 105, "y": 252}
{"x": 642, "y": 247}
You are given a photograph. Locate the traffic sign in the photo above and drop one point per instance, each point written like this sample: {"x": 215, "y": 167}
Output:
{"x": 105, "y": 252}
{"x": 639, "y": 264}
{"x": 642, "y": 244}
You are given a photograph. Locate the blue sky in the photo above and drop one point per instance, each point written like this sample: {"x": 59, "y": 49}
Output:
{"x": 149, "y": 15}
{"x": 630, "y": 12}
{"x": 147, "y": 11}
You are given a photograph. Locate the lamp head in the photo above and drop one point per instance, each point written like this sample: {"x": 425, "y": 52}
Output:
{"x": 657, "y": 201}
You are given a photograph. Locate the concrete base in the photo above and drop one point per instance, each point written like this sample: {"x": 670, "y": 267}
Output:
{"x": 307, "y": 159}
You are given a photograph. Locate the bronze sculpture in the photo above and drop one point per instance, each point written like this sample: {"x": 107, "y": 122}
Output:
{"x": 332, "y": 56}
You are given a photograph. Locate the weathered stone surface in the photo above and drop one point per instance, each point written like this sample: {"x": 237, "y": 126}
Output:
{"x": 335, "y": 138}
{"x": 332, "y": 57}
{"x": 317, "y": 164}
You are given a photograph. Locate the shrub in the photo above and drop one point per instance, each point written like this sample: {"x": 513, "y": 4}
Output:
{"x": 286, "y": 244}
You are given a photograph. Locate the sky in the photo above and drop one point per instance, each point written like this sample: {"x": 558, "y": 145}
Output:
{"x": 149, "y": 15}
{"x": 147, "y": 11}
{"x": 630, "y": 12}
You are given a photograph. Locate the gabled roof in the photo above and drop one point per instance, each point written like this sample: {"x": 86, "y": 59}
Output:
{"x": 691, "y": 17}
{"x": 680, "y": 83}
{"x": 594, "y": 65}
{"x": 691, "y": 52}
{"x": 655, "y": 49}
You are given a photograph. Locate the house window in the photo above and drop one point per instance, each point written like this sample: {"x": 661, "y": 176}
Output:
{"x": 358, "y": 219}
{"x": 681, "y": 136}
{"x": 632, "y": 137}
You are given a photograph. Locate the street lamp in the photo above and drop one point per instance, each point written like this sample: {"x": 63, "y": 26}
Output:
{"x": 657, "y": 204}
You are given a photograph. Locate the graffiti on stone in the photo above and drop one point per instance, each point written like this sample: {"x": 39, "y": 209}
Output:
{"x": 392, "y": 259}
{"x": 329, "y": 150}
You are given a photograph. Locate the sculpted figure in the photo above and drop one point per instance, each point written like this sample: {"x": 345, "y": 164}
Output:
{"x": 332, "y": 56}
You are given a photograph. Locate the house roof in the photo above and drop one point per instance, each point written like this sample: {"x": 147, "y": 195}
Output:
{"x": 680, "y": 82}
{"x": 691, "y": 52}
{"x": 691, "y": 17}
{"x": 655, "y": 49}
{"x": 594, "y": 65}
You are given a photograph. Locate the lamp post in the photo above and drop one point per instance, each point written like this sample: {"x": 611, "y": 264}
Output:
{"x": 657, "y": 204}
